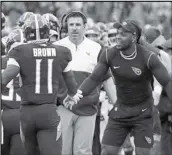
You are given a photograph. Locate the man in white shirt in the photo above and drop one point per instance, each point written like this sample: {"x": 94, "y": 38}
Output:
{"x": 78, "y": 122}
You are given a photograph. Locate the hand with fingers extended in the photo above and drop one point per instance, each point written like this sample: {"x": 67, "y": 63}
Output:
{"x": 70, "y": 101}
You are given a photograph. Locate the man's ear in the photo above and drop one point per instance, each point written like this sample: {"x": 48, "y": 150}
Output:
{"x": 134, "y": 38}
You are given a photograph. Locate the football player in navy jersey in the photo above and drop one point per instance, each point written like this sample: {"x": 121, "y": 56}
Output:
{"x": 41, "y": 65}
{"x": 133, "y": 67}
{"x": 10, "y": 100}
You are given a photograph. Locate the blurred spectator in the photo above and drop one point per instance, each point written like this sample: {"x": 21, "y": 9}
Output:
{"x": 63, "y": 28}
{"x": 90, "y": 22}
{"x": 156, "y": 14}
{"x": 154, "y": 36}
{"x": 112, "y": 36}
{"x": 92, "y": 33}
{"x": 103, "y": 29}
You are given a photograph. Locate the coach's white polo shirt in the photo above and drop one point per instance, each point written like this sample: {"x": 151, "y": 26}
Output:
{"x": 84, "y": 55}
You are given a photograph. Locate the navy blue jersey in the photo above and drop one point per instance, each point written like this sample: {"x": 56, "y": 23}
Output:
{"x": 133, "y": 77}
{"x": 41, "y": 67}
{"x": 10, "y": 98}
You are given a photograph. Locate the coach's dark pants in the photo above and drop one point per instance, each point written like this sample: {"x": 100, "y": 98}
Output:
{"x": 12, "y": 141}
{"x": 39, "y": 129}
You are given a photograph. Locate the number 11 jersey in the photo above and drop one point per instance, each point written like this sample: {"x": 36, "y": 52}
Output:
{"x": 41, "y": 67}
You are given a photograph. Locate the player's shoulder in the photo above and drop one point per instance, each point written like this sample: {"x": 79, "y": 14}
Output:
{"x": 109, "y": 53}
{"x": 62, "y": 50}
{"x": 16, "y": 48}
{"x": 62, "y": 42}
{"x": 144, "y": 52}
{"x": 112, "y": 52}
{"x": 113, "y": 49}
{"x": 143, "y": 49}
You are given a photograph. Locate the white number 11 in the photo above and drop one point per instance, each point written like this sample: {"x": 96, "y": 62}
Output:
{"x": 49, "y": 76}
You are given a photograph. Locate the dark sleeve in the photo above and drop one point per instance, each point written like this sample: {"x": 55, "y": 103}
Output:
{"x": 70, "y": 82}
{"x": 9, "y": 73}
{"x": 12, "y": 70}
{"x": 15, "y": 54}
{"x": 96, "y": 77}
{"x": 161, "y": 74}
{"x": 69, "y": 56}
{"x": 66, "y": 57}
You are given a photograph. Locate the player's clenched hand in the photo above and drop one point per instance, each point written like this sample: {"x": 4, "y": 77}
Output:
{"x": 78, "y": 95}
{"x": 69, "y": 102}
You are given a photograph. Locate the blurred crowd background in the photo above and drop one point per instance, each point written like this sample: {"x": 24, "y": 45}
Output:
{"x": 158, "y": 14}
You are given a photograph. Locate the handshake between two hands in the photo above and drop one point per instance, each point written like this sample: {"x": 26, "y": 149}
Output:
{"x": 70, "y": 101}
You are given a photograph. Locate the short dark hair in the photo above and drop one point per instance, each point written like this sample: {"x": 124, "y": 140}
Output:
{"x": 77, "y": 14}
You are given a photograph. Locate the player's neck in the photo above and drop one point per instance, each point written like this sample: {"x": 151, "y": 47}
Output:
{"x": 77, "y": 41}
{"x": 129, "y": 51}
